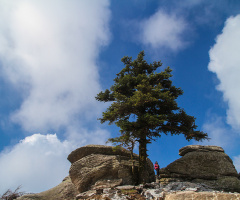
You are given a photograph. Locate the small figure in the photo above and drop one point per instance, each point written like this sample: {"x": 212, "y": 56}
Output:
{"x": 156, "y": 167}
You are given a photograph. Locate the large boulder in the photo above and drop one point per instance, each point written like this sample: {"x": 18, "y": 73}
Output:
{"x": 98, "y": 166}
{"x": 205, "y": 164}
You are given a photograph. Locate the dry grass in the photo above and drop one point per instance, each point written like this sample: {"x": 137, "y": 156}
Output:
{"x": 10, "y": 195}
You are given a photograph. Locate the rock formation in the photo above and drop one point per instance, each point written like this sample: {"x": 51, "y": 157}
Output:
{"x": 97, "y": 171}
{"x": 64, "y": 191}
{"x": 203, "y": 164}
{"x": 95, "y": 166}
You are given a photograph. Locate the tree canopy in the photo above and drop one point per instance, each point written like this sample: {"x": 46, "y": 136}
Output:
{"x": 144, "y": 105}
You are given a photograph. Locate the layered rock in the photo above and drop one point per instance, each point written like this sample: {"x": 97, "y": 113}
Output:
{"x": 95, "y": 166}
{"x": 199, "y": 148}
{"x": 203, "y": 164}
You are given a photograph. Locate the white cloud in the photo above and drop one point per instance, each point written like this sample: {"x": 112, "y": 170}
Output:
{"x": 38, "y": 162}
{"x": 216, "y": 129}
{"x": 48, "y": 50}
{"x": 222, "y": 135}
{"x": 225, "y": 62}
{"x": 163, "y": 30}
{"x": 83, "y": 136}
{"x": 236, "y": 161}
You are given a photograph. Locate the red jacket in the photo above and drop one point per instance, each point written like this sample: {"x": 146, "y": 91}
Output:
{"x": 156, "y": 166}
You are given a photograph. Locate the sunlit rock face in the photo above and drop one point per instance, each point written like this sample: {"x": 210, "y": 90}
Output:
{"x": 203, "y": 164}
{"x": 96, "y": 166}
{"x": 64, "y": 191}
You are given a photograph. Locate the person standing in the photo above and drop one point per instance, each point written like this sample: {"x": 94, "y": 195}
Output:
{"x": 156, "y": 167}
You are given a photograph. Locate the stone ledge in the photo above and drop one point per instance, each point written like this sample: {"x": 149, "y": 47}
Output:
{"x": 191, "y": 148}
{"x": 97, "y": 149}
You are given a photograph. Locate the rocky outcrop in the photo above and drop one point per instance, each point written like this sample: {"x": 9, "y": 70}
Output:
{"x": 203, "y": 164}
{"x": 97, "y": 171}
{"x": 98, "y": 166}
{"x": 64, "y": 191}
{"x": 171, "y": 191}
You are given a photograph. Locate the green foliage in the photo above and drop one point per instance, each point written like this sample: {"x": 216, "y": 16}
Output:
{"x": 146, "y": 100}
{"x": 126, "y": 141}
{"x": 144, "y": 105}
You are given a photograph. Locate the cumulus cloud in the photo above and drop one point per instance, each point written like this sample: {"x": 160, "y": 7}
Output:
{"x": 218, "y": 133}
{"x": 222, "y": 135}
{"x": 49, "y": 51}
{"x": 225, "y": 62}
{"x": 163, "y": 30}
{"x": 37, "y": 162}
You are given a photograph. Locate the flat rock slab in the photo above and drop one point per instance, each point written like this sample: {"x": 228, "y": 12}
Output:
{"x": 125, "y": 187}
{"x": 207, "y": 148}
{"x": 202, "y": 196}
{"x": 97, "y": 149}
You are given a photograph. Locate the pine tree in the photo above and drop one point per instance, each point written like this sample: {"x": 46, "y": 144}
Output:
{"x": 144, "y": 106}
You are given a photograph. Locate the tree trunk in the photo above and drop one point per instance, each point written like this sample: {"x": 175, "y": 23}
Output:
{"x": 142, "y": 159}
{"x": 134, "y": 173}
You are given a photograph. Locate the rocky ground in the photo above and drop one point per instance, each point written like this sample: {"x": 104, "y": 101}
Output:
{"x": 155, "y": 190}
{"x": 171, "y": 191}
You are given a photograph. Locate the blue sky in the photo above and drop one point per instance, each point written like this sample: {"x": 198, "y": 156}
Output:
{"x": 55, "y": 56}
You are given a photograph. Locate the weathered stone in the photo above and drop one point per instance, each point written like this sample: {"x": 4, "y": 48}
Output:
{"x": 125, "y": 187}
{"x": 201, "y": 148}
{"x": 202, "y": 165}
{"x": 226, "y": 183}
{"x": 97, "y": 149}
{"x": 86, "y": 195}
{"x": 208, "y": 165}
{"x": 100, "y": 166}
{"x": 107, "y": 183}
{"x": 92, "y": 168}
{"x": 185, "y": 186}
{"x": 189, "y": 195}
{"x": 154, "y": 194}
{"x": 172, "y": 191}
{"x": 64, "y": 191}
